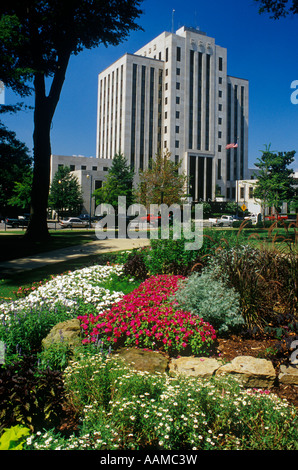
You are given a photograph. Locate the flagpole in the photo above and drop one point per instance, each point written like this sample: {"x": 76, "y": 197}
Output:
{"x": 173, "y": 11}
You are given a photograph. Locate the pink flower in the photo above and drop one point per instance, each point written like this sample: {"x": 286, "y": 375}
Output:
{"x": 146, "y": 317}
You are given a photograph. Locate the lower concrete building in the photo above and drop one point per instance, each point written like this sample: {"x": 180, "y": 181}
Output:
{"x": 90, "y": 172}
{"x": 245, "y": 196}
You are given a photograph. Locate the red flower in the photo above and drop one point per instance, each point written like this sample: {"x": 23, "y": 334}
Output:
{"x": 147, "y": 318}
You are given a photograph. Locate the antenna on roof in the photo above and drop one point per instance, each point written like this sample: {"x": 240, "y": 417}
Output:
{"x": 173, "y": 21}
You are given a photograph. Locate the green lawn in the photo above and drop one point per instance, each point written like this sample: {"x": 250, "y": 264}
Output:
{"x": 10, "y": 285}
{"x": 13, "y": 245}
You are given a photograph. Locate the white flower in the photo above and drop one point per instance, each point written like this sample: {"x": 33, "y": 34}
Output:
{"x": 83, "y": 284}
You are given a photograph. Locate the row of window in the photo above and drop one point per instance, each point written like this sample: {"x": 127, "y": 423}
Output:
{"x": 250, "y": 192}
{"x": 177, "y": 144}
{"x": 177, "y": 86}
{"x": 242, "y": 193}
{"x": 82, "y": 167}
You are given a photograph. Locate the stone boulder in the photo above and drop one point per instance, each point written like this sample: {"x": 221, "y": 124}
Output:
{"x": 194, "y": 366}
{"x": 143, "y": 359}
{"x": 252, "y": 372}
{"x": 288, "y": 375}
{"x": 68, "y": 331}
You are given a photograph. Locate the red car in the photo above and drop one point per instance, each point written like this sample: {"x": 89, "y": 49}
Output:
{"x": 150, "y": 218}
{"x": 279, "y": 217}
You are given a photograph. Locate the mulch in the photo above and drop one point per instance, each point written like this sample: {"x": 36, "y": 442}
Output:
{"x": 234, "y": 346}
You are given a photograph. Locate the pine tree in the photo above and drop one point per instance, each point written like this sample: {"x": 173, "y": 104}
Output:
{"x": 119, "y": 182}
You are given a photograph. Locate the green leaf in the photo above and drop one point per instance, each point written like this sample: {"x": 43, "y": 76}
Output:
{"x": 13, "y": 438}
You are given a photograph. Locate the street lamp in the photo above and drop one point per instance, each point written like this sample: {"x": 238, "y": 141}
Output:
{"x": 90, "y": 176}
{"x": 60, "y": 205}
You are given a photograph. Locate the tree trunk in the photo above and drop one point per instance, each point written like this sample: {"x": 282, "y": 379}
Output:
{"x": 37, "y": 229}
{"x": 43, "y": 114}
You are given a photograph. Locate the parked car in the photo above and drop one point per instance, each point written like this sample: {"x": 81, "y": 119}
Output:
{"x": 86, "y": 217}
{"x": 73, "y": 222}
{"x": 255, "y": 218}
{"x": 276, "y": 217}
{"x": 150, "y": 218}
{"x": 21, "y": 221}
{"x": 223, "y": 221}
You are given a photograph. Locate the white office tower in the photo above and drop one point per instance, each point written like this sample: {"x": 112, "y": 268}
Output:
{"x": 174, "y": 95}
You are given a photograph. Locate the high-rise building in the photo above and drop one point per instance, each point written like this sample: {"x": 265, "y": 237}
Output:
{"x": 174, "y": 95}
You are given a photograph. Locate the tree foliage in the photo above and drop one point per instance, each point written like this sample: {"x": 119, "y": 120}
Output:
{"x": 119, "y": 182}
{"x": 15, "y": 161}
{"x": 275, "y": 179}
{"x": 65, "y": 193}
{"x": 278, "y": 8}
{"x": 21, "y": 194}
{"x": 38, "y": 36}
{"x": 37, "y": 39}
{"x": 162, "y": 182}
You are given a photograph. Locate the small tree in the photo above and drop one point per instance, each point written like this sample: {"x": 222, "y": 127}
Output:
{"x": 22, "y": 191}
{"x": 275, "y": 179}
{"x": 65, "y": 193}
{"x": 119, "y": 182}
{"x": 162, "y": 182}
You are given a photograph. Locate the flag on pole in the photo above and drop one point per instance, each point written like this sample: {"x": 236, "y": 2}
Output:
{"x": 232, "y": 146}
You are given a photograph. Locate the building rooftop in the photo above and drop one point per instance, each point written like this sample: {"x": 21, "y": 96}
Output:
{"x": 180, "y": 31}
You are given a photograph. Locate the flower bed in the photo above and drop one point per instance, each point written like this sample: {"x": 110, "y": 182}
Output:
{"x": 68, "y": 289}
{"x": 26, "y": 321}
{"x": 123, "y": 409}
{"x": 114, "y": 407}
{"x": 147, "y": 318}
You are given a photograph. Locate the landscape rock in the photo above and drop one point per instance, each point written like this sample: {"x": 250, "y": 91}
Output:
{"x": 68, "y": 331}
{"x": 144, "y": 360}
{"x": 288, "y": 375}
{"x": 252, "y": 372}
{"x": 194, "y": 366}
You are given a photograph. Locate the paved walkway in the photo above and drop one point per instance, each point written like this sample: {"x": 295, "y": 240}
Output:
{"x": 66, "y": 254}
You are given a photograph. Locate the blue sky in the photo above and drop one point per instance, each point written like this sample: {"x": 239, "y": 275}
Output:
{"x": 260, "y": 49}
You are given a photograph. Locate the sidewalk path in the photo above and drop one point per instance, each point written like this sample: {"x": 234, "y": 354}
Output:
{"x": 65, "y": 254}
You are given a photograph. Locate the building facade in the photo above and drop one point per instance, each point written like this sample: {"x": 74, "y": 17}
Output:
{"x": 90, "y": 172}
{"x": 174, "y": 95}
{"x": 245, "y": 195}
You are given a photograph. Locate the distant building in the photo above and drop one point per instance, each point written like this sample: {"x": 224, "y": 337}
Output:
{"x": 174, "y": 94}
{"x": 91, "y": 172}
{"x": 244, "y": 195}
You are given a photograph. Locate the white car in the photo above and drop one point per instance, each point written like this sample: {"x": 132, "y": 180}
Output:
{"x": 73, "y": 222}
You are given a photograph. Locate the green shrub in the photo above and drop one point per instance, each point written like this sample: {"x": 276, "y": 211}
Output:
{"x": 55, "y": 357}
{"x": 22, "y": 332}
{"x": 169, "y": 256}
{"x": 238, "y": 223}
{"x": 209, "y": 297}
